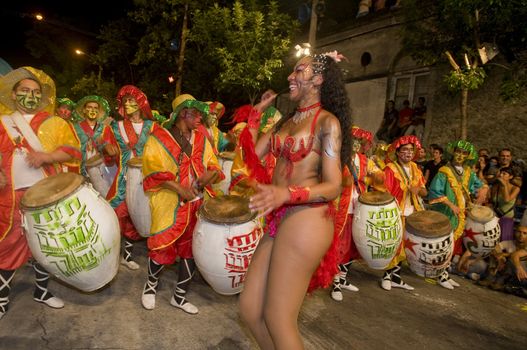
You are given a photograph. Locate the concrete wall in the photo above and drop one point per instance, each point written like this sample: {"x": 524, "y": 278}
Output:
{"x": 367, "y": 102}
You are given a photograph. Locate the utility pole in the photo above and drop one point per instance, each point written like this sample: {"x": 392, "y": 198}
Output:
{"x": 313, "y": 24}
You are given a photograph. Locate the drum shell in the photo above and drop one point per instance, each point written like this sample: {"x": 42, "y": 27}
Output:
{"x": 480, "y": 238}
{"x": 223, "y": 252}
{"x": 226, "y": 166}
{"x": 137, "y": 201}
{"x": 99, "y": 176}
{"x": 430, "y": 256}
{"x": 377, "y": 232}
{"x": 77, "y": 239}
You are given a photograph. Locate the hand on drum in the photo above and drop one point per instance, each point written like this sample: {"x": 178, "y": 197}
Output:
{"x": 37, "y": 159}
{"x": 187, "y": 193}
{"x": 110, "y": 150}
{"x": 521, "y": 274}
{"x": 268, "y": 198}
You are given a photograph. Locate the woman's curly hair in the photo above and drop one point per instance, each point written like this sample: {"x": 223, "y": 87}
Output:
{"x": 334, "y": 99}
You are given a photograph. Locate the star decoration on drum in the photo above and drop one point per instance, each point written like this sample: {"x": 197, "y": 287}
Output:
{"x": 409, "y": 244}
{"x": 471, "y": 234}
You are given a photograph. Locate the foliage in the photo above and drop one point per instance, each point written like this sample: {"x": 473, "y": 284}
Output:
{"x": 465, "y": 79}
{"x": 247, "y": 44}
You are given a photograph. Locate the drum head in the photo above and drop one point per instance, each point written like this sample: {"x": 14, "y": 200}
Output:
{"x": 227, "y": 155}
{"x": 481, "y": 214}
{"x": 428, "y": 223}
{"x": 136, "y": 162}
{"x": 376, "y": 198}
{"x": 227, "y": 210}
{"x": 94, "y": 161}
{"x": 51, "y": 190}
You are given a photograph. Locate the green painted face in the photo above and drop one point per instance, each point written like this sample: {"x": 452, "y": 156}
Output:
{"x": 460, "y": 156}
{"x": 91, "y": 110}
{"x": 28, "y": 95}
{"x": 130, "y": 105}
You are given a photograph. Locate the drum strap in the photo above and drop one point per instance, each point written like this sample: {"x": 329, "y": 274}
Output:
{"x": 459, "y": 178}
{"x": 16, "y": 124}
{"x": 354, "y": 172}
{"x": 181, "y": 140}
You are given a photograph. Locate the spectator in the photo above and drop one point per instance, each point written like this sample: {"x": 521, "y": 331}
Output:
{"x": 406, "y": 115}
{"x": 432, "y": 166}
{"x": 418, "y": 121}
{"x": 388, "y": 129}
{"x": 483, "y": 152}
{"x": 503, "y": 199}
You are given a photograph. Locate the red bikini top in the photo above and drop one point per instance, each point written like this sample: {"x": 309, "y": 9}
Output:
{"x": 286, "y": 151}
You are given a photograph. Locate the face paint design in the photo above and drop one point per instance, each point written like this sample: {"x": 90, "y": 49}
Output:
{"x": 130, "y": 105}
{"x": 301, "y": 79}
{"x": 213, "y": 119}
{"x": 64, "y": 112}
{"x": 91, "y": 110}
{"x": 406, "y": 153}
{"x": 459, "y": 156}
{"x": 28, "y": 95}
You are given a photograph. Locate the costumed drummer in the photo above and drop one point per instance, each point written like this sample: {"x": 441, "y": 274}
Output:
{"x": 178, "y": 165}
{"x": 451, "y": 192}
{"x": 357, "y": 177}
{"x": 33, "y": 144}
{"x": 91, "y": 111}
{"x": 65, "y": 108}
{"x": 298, "y": 196}
{"x": 123, "y": 140}
{"x": 405, "y": 181}
{"x": 210, "y": 129}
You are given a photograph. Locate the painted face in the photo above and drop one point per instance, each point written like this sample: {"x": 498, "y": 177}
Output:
{"x": 91, "y": 110}
{"x": 27, "y": 95}
{"x": 130, "y": 105}
{"x": 406, "y": 153}
{"x": 64, "y": 111}
{"x": 301, "y": 79}
{"x": 192, "y": 117}
{"x": 460, "y": 156}
{"x": 213, "y": 119}
{"x": 355, "y": 146}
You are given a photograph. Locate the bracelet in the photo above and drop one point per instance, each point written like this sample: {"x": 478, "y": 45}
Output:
{"x": 298, "y": 194}
{"x": 253, "y": 120}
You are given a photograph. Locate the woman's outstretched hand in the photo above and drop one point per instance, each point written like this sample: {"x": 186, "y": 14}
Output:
{"x": 268, "y": 198}
{"x": 267, "y": 99}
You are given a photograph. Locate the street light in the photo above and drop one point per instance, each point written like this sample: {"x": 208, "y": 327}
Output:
{"x": 95, "y": 60}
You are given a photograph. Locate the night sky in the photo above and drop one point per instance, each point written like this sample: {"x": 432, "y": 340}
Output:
{"x": 16, "y": 18}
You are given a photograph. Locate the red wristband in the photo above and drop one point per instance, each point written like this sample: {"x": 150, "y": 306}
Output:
{"x": 298, "y": 194}
{"x": 253, "y": 120}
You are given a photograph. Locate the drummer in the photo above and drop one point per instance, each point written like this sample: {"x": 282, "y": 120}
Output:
{"x": 91, "y": 111}
{"x": 451, "y": 192}
{"x": 406, "y": 183}
{"x": 178, "y": 165}
{"x": 123, "y": 140}
{"x": 65, "y": 108}
{"x": 209, "y": 128}
{"x": 357, "y": 178}
{"x": 33, "y": 144}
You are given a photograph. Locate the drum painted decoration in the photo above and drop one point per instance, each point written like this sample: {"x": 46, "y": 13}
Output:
{"x": 72, "y": 231}
{"x": 136, "y": 199}
{"x": 98, "y": 174}
{"x": 429, "y": 243}
{"x": 377, "y": 228}
{"x": 482, "y": 231}
{"x": 225, "y": 238}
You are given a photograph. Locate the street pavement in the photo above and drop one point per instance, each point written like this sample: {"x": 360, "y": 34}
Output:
{"x": 430, "y": 317}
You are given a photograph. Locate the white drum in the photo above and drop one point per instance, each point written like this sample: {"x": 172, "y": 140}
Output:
{"x": 429, "y": 243}
{"x": 136, "y": 199}
{"x": 225, "y": 238}
{"x": 72, "y": 231}
{"x": 377, "y": 228}
{"x": 99, "y": 175}
{"x": 225, "y": 159}
{"x": 482, "y": 231}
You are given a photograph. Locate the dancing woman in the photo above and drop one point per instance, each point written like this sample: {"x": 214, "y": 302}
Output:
{"x": 309, "y": 149}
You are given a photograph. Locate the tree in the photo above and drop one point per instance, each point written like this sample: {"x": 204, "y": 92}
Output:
{"x": 247, "y": 44}
{"x": 441, "y": 30}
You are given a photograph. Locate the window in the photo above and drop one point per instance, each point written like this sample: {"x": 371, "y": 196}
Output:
{"x": 409, "y": 86}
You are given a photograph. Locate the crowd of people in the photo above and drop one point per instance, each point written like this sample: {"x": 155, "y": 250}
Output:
{"x": 304, "y": 174}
